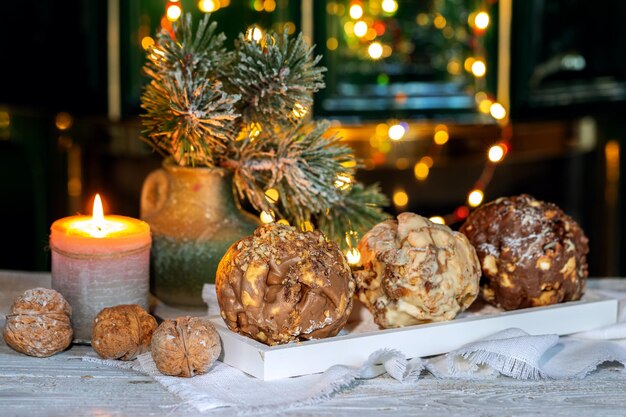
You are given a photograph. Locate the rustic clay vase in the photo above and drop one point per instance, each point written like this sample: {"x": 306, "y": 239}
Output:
{"x": 194, "y": 218}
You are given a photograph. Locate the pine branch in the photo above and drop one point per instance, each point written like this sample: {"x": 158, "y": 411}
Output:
{"x": 314, "y": 177}
{"x": 188, "y": 115}
{"x": 353, "y": 215}
{"x": 301, "y": 164}
{"x": 276, "y": 79}
{"x": 203, "y": 52}
{"x": 253, "y": 125}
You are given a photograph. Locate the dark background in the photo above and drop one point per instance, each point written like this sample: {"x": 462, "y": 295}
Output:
{"x": 55, "y": 60}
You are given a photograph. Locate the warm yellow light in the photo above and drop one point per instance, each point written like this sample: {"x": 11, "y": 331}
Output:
{"x": 479, "y": 69}
{"x": 389, "y": 6}
{"x": 402, "y": 163}
{"x": 208, "y": 6}
{"x": 5, "y": 120}
{"x": 438, "y": 220}
{"x": 400, "y": 198}
{"x": 448, "y": 32}
{"x": 332, "y": 44}
{"x": 349, "y": 28}
{"x": 353, "y": 256}
{"x": 63, "y": 121}
{"x": 387, "y": 51}
{"x": 173, "y": 12}
{"x": 485, "y": 106}
{"x": 356, "y": 11}
{"x": 396, "y": 132}
{"x": 266, "y": 217}
{"x": 454, "y": 67}
{"x": 299, "y": 110}
{"x": 375, "y": 50}
{"x": 382, "y": 129}
{"x": 349, "y": 164}
{"x": 428, "y": 161}
{"x": 497, "y": 111}
{"x": 258, "y": 5}
{"x": 496, "y": 153}
{"x": 422, "y": 19}
{"x": 291, "y": 28}
{"x": 254, "y": 33}
{"x": 440, "y": 22}
{"x": 441, "y": 137}
{"x": 467, "y": 64}
{"x": 612, "y": 157}
{"x": 421, "y": 170}
{"x": 272, "y": 195}
{"x": 481, "y": 20}
{"x": 97, "y": 216}
{"x": 441, "y": 127}
{"x": 255, "y": 130}
{"x": 480, "y": 96}
{"x": 269, "y": 5}
{"x": 360, "y": 28}
{"x": 475, "y": 198}
{"x": 147, "y": 42}
{"x": 343, "y": 182}
{"x": 74, "y": 187}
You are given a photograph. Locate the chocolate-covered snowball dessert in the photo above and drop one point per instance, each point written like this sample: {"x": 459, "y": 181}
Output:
{"x": 415, "y": 271}
{"x": 531, "y": 252}
{"x": 282, "y": 285}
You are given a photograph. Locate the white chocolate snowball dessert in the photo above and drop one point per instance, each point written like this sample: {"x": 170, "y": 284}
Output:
{"x": 415, "y": 271}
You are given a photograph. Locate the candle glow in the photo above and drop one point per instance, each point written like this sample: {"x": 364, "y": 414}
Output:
{"x": 99, "y": 261}
{"x": 97, "y": 226}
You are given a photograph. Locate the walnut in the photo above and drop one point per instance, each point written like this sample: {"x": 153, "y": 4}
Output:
{"x": 186, "y": 346}
{"x": 39, "y": 323}
{"x": 122, "y": 332}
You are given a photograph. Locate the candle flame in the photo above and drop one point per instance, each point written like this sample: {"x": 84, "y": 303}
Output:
{"x": 98, "y": 213}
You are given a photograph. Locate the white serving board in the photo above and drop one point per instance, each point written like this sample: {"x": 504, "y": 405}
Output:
{"x": 352, "y": 348}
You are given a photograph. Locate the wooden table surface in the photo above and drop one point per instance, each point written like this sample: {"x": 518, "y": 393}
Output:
{"x": 64, "y": 385}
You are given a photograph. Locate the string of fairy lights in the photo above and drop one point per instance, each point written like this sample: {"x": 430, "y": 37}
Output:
{"x": 366, "y": 23}
{"x": 364, "y": 27}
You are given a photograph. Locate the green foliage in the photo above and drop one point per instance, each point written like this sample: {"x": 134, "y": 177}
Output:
{"x": 245, "y": 111}
{"x": 188, "y": 115}
{"x": 276, "y": 79}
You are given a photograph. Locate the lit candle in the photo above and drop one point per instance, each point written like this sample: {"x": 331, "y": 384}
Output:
{"x": 99, "y": 261}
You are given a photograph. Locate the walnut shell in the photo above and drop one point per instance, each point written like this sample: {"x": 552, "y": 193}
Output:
{"x": 39, "y": 323}
{"x": 122, "y": 332}
{"x": 186, "y": 346}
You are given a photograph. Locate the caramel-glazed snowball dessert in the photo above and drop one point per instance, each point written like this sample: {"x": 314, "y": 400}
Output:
{"x": 185, "y": 347}
{"x": 282, "y": 285}
{"x": 122, "y": 332}
{"x": 531, "y": 252}
{"x": 415, "y": 271}
{"x": 39, "y": 323}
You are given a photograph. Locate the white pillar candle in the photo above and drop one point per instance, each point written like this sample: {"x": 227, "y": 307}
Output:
{"x": 99, "y": 261}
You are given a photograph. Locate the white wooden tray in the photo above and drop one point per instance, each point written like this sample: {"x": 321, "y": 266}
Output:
{"x": 359, "y": 339}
